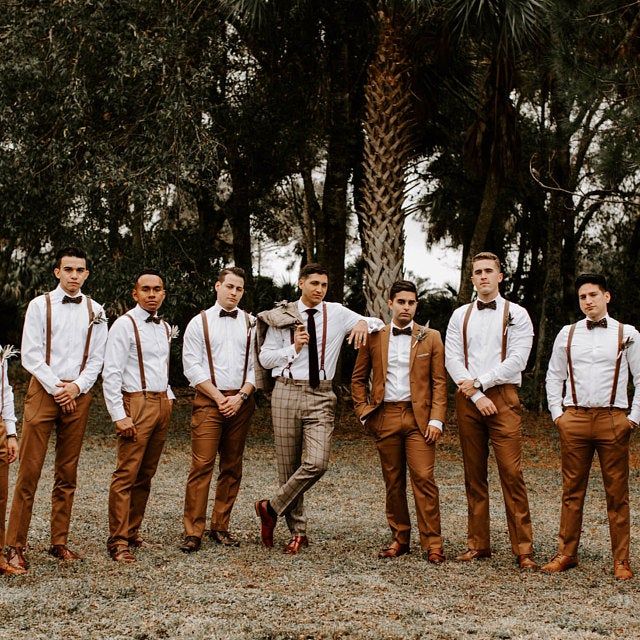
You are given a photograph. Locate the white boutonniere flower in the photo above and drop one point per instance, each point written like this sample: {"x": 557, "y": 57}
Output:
{"x": 510, "y": 323}
{"x": 624, "y": 346}
{"x": 174, "y": 333}
{"x": 422, "y": 334}
{"x": 98, "y": 318}
{"x": 8, "y": 352}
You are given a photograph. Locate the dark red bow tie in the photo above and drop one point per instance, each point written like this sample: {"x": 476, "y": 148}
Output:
{"x": 154, "y": 319}
{"x": 487, "y": 305}
{"x": 592, "y": 324}
{"x": 230, "y": 314}
{"x": 401, "y": 332}
{"x": 70, "y": 300}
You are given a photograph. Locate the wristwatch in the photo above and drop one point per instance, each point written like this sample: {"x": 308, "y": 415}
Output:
{"x": 477, "y": 384}
{"x": 243, "y": 395}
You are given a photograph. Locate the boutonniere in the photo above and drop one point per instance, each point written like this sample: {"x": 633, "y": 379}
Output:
{"x": 98, "y": 318}
{"x": 174, "y": 332}
{"x": 8, "y": 352}
{"x": 252, "y": 322}
{"x": 422, "y": 334}
{"x": 625, "y": 345}
{"x": 510, "y": 323}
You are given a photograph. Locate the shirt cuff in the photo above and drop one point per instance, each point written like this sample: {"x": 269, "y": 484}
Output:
{"x": 118, "y": 413}
{"x": 476, "y": 396}
{"x": 556, "y": 412}
{"x": 10, "y": 426}
{"x": 79, "y": 383}
{"x": 438, "y": 424}
{"x": 170, "y": 393}
{"x": 199, "y": 380}
{"x": 292, "y": 354}
{"x": 374, "y": 324}
{"x": 486, "y": 381}
{"x": 634, "y": 416}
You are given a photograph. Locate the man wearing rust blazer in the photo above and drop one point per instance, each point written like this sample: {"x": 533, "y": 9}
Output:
{"x": 405, "y": 411}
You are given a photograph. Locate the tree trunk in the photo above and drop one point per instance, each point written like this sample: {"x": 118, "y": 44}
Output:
{"x": 238, "y": 215}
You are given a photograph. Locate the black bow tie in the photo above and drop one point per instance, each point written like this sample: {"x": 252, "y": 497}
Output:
{"x": 154, "y": 319}
{"x": 231, "y": 314}
{"x": 401, "y": 332}
{"x": 69, "y": 299}
{"x": 487, "y": 305}
{"x": 592, "y": 324}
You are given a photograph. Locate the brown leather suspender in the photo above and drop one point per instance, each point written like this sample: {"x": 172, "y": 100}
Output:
{"x": 207, "y": 344}
{"x": 505, "y": 331}
{"x": 136, "y": 333}
{"x": 616, "y": 372}
{"x": 87, "y": 343}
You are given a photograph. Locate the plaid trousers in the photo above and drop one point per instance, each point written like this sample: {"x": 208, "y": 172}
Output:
{"x": 302, "y": 425}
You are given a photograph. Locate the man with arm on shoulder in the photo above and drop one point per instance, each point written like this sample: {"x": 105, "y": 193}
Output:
{"x": 591, "y": 360}
{"x": 487, "y": 346}
{"x": 301, "y": 347}
{"x": 63, "y": 343}
{"x": 135, "y": 383}
{"x": 405, "y": 411}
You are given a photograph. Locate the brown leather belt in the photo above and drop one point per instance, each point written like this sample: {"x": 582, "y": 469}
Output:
{"x": 405, "y": 404}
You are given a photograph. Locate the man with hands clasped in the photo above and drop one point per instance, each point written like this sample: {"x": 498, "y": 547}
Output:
{"x": 135, "y": 382}
{"x": 405, "y": 410}
{"x": 487, "y": 346}
{"x": 591, "y": 360}
{"x": 63, "y": 342}
{"x": 217, "y": 356}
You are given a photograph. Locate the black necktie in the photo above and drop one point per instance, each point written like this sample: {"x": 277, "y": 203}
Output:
{"x": 592, "y": 324}
{"x": 314, "y": 372}
{"x": 401, "y": 332}
{"x": 231, "y": 314}
{"x": 69, "y": 299}
{"x": 487, "y": 305}
{"x": 154, "y": 319}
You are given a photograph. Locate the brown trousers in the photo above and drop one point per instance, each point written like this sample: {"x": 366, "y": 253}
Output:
{"x": 136, "y": 464}
{"x": 212, "y": 434}
{"x": 41, "y": 416}
{"x": 4, "y": 481}
{"x": 400, "y": 444}
{"x": 503, "y": 430}
{"x": 582, "y": 433}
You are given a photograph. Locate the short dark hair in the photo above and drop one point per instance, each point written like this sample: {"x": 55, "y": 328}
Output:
{"x": 402, "y": 285}
{"x": 148, "y": 272}
{"x": 236, "y": 271}
{"x": 70, "y": 252}
{"x": 592, "y": 278}
{"x": 312, "y": 267}
{"x": 486, "y": 255}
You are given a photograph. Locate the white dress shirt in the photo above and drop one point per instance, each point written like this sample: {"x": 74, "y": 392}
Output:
{"x": 8, "y": 407}
{"x": 228, "y": 338}
{"x": 593, "y": 356}
{"x": 397, "y": 387}
{"x": 484, "y": 344}
{"x": 121, "y": 370}
{"x": 278, "y": 351}
{"x": 69, "y": 326}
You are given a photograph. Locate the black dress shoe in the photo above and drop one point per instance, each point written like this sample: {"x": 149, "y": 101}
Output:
{"x": 224, "y": 538}
{"x": 191, "y": 544}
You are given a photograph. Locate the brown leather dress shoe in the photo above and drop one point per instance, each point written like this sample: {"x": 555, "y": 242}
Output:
{"x": 394, "y": 550}
{"x": 191, "y": 544}
{"x": 473, "y": 554}
{"x": 526, "y": 561}
{"x": 435, "y": 556}
{"x": 560, "y": 563}
{"x": 224, "y": 538}
{"x": 295, "y": 544}
{"x": 7, "y": 569}
{"x": 622, "y": 570}
{"x": 267, "y": 522}
{"x": 15, "y": 558}
{"x": 62, "y": 552}
{"x": 122, "y": 554}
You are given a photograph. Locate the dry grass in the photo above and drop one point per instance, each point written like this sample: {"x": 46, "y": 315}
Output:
{"x": 335, "y": 589}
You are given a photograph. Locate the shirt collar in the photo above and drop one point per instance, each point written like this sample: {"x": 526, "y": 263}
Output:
{"x": 217, "y": 307}
{"x": 392, "y": 325}
{"x": 499, "y": 300}
{"x": 303, "y": 307}
{"x": 140, "y": 313}
{"x": 58, "y": 293}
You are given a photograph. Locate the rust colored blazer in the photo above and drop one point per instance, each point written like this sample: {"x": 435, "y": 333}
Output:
{"x": 427, "y": 377}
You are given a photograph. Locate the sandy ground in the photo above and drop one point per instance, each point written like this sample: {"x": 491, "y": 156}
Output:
{"x": 335, "y": 589}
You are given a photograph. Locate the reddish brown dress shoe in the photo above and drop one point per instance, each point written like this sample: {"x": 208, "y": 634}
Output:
{"x": 224, "y": 538}
{"x": 295, "y": 544}
{"x": 267, "y": 521}
{"x": 473, "y": 554}
{"x": 560, "y": 563}
{"x": 191, "y": 544}
{"x": 7, "y": 569}
{"x": 394, "y": 550}
{"x": 122, "y": 554}
{"x": 622, "y": 570}
{"x": 15, "y": 558}
{"x": 526, "y": 561}
{"x": 62, "y": 552}
{"x": 435, "y": 556}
